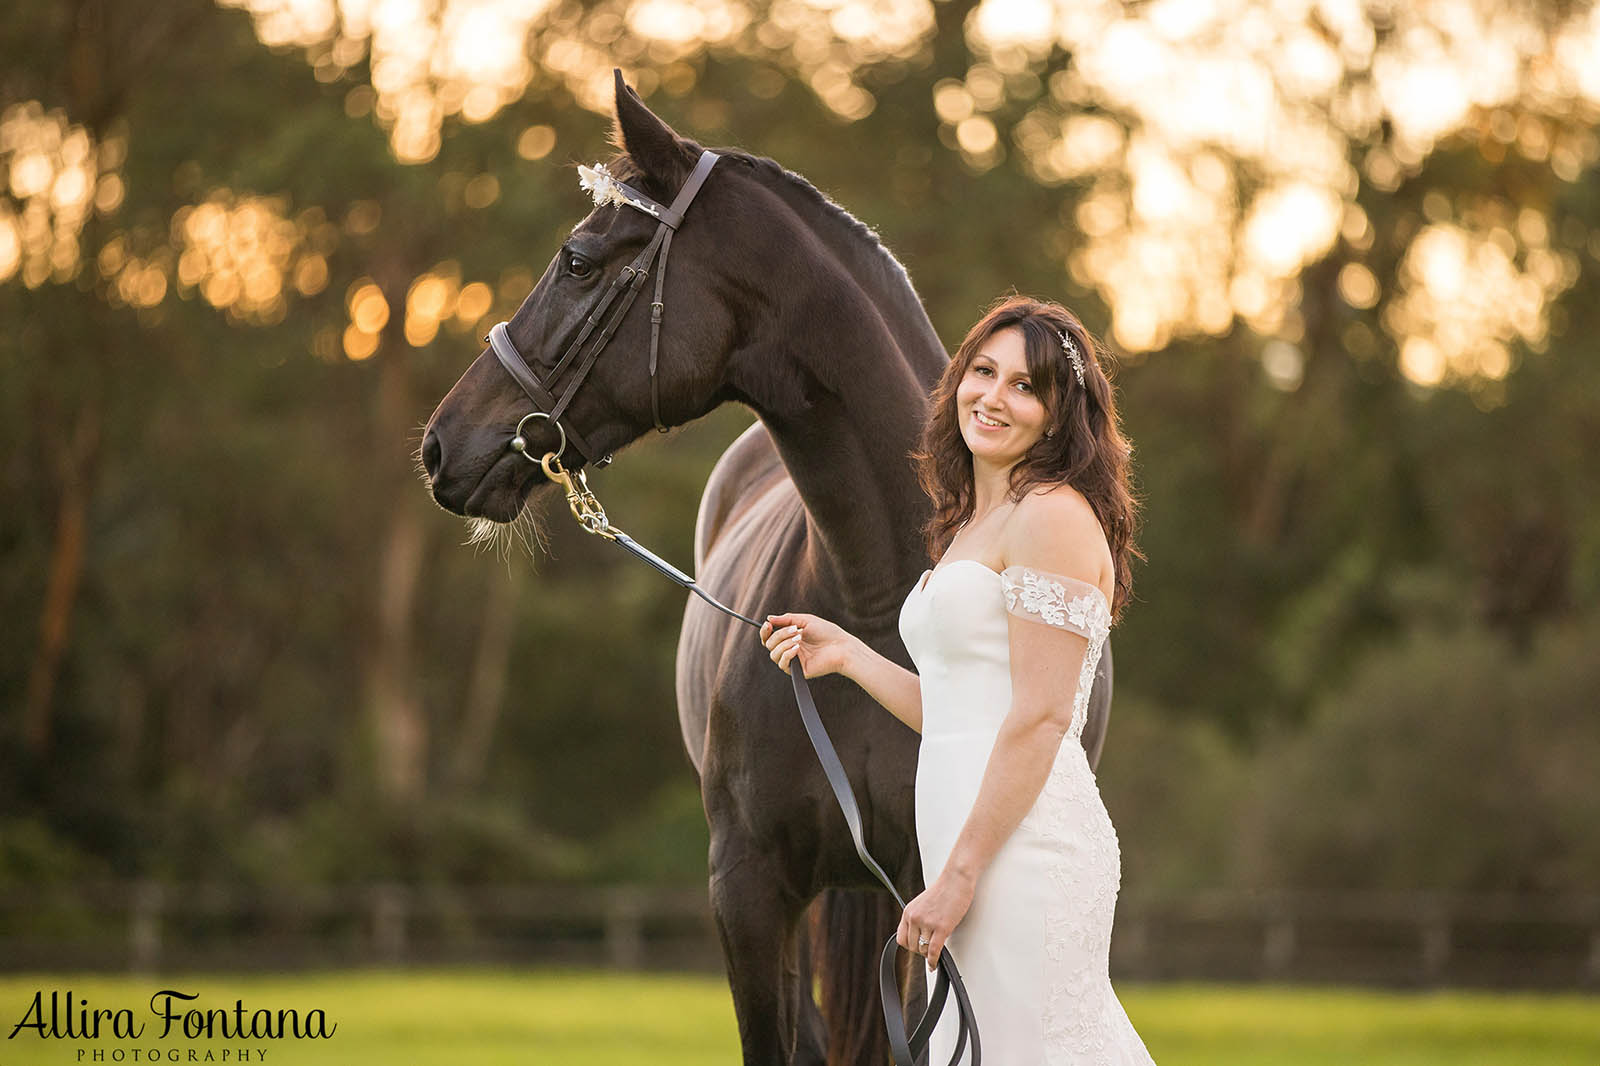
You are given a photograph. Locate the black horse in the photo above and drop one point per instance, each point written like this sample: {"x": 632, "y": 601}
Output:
{"x": 780, "y": 300}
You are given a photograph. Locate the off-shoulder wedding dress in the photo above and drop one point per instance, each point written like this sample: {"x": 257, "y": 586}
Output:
{"x": 1035, "y": 945}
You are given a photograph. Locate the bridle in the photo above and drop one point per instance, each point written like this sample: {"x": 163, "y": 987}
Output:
{"x": 587, "y": 510}
{"x": 618, "y": 298}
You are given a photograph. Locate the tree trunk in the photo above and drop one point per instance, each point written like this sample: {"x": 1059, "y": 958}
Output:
{"x": 486, "y": 687}
{"x": 61, "y": 588}
{"x": 395, "y": 715}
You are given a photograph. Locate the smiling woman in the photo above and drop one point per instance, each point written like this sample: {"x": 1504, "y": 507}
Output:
{"x": 1024, "y": 460}
{"x": 1032, "y": 366}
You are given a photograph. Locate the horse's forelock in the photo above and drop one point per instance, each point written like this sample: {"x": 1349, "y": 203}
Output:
{"x": 625, "y": 168}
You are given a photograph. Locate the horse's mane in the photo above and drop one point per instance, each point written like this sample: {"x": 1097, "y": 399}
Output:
{"x": 771, "y": 173}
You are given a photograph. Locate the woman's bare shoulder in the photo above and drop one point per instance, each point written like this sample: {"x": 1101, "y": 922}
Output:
{"x": 1055, "y": 528}
{"x": 1055, "y": 511}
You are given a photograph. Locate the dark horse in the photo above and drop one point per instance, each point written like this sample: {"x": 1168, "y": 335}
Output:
{"x": 779, "y": 300}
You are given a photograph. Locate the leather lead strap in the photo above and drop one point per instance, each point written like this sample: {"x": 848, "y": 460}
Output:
{"x": 905, "y": 1049}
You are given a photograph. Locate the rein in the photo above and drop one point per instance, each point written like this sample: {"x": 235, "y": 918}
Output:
{"x": 906, "y": 1050}
{"x": 592, "y": 517}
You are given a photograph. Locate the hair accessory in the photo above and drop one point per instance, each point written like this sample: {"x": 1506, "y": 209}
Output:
{"x": 1070, "y": 346}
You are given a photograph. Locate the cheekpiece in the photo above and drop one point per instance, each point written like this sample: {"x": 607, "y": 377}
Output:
{"x": 1070, "y": 346}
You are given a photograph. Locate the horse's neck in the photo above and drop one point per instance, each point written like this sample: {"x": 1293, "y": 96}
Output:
{"x": 867, "y": 356}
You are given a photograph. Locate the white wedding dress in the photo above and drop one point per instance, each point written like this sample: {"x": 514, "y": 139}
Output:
{"x": 1034, "y": 947}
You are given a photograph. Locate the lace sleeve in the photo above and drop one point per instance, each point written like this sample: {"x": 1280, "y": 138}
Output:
{"x": 1056, "y": 600}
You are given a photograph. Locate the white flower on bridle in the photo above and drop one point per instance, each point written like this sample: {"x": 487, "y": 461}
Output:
{"x": 1070, "y": 346}
{"x": 598, "y": 182}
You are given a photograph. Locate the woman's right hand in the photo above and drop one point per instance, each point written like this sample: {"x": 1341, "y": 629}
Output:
{"x": 822, "y": 646}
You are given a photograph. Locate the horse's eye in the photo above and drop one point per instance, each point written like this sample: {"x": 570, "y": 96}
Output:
{"x": 578, "y": 266}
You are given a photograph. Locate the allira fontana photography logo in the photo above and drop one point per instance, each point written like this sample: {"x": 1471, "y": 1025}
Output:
{"x": 172, "y": 1015}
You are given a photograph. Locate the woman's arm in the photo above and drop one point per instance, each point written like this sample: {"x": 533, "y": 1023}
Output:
{"x": 892, "y": 685}
{"x": 1024, "y": 751}
{"x": 1056, "y": 534}
{"x": 826, "y": 648}
{"x": 1020, "y": 762}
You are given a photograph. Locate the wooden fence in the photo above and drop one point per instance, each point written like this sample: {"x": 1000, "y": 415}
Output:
{"x": 1393, "y": 939}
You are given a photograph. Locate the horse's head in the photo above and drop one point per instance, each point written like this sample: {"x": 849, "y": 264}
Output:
{"x": 589, "y": 321}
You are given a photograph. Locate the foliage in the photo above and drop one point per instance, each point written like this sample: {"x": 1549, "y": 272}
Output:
{"x": 226, "y": 594}
{"x": 1450, "y": 761}
{"x": 1174, "y": 786}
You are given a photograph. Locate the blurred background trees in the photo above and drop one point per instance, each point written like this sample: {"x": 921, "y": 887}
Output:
{"x": 1345, "y": 254}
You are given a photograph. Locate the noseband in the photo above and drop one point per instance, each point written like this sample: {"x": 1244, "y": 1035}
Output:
{"x": 617, "y": 299}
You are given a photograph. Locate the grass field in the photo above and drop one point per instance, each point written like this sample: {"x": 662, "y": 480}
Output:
{"x": 477, "y": 1018}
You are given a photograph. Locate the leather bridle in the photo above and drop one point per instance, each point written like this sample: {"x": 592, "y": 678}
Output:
{"x": 618, "y": 298}
{"x": 586, "y": 508}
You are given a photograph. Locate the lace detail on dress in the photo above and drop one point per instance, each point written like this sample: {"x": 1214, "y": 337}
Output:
{"x": 1043, "y": 597}
{"x": 1079, "y": 918}
{"x": 1081, "y": 1014}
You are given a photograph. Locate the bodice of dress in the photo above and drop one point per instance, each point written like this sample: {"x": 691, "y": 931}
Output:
{"x": 954, "y": 624}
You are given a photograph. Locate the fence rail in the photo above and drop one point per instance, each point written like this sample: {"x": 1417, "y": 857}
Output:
{"x": 1396, "y": 939}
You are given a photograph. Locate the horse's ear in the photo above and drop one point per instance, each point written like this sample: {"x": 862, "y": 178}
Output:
{"x": 658, "y": 151}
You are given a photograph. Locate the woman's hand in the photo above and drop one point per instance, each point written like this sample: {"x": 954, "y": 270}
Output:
{"x": 929, "y": 919}
{"x": 823, "y": 648}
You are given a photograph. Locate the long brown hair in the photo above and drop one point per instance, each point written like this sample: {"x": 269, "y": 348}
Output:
{"x": 1087, "y": 449}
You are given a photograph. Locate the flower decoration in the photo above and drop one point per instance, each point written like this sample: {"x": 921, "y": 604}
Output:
{"x": 1088, "y": 614}
{"x": 598, "y": 182}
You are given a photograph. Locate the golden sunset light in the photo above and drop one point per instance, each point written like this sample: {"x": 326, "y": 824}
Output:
{"x": 1211, "y": 148}
{"x": 1230, "y": 360}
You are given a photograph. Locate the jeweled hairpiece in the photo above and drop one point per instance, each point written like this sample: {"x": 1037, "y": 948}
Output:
{"x": 1070, "y": 346}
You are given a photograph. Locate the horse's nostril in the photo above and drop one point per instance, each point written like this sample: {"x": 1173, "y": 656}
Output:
{"x": 432, "y": 454}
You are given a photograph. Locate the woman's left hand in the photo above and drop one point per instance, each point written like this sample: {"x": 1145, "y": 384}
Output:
{"x": 934, "y": 915}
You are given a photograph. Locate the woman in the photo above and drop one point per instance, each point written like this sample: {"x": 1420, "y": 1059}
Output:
{"x": 1033, "y": 530}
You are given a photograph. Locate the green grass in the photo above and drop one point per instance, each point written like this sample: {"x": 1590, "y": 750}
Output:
{"x": 1208, "y": 1025}
{"x": 481, "y": 1018}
